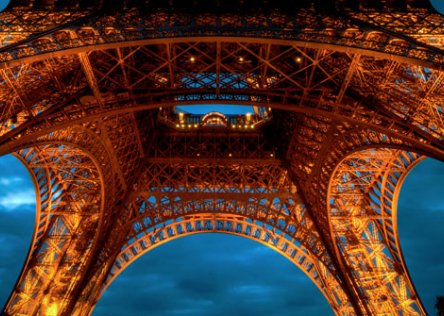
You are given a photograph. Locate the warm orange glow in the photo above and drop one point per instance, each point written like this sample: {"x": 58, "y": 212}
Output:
{"x": 51, "y": 310}
{"x": 181, "y": 117}
{"x": 87, "y": 106}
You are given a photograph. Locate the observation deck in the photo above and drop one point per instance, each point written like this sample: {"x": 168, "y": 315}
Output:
{"x": 182, "y": 121}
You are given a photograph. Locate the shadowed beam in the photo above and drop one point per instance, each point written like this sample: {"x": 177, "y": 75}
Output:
{"x": 90, "y": 77}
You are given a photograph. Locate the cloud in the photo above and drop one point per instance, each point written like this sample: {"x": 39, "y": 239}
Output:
{"x": 17, "y": 217}
{"x": 9, "y": 181}
{"x": 421, "y": 218}
{"x": 16, "y": 229}
{"x": 13, "y": 200}
{"x": 213, "y": 274}
{"x": 252, "y": 289}
{"x": 16, "y": 187}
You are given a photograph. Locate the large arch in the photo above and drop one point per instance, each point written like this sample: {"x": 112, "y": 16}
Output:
{"x": 256, "y": 200}
{"x": 73, "y": 183}
{"x": 329, "y": 83}
{"x": 70, "y": 197}
{"x": 239, "y": 226}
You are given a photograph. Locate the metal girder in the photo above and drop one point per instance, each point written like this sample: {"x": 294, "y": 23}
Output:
{"x": 90, "y": 77}
{"x": 135, "y": 26}
{"x": 249, "y": 199}
{"x": 68, "y": 206}
{"x": 362, "y": 197}
{"x": 332, "y": 84}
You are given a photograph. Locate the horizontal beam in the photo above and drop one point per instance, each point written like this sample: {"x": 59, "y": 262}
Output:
{"x": 385, "y": 51}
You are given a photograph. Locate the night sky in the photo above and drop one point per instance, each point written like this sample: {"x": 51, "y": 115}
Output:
{"x": 439, "y": 5}
{"x": 215, "y": 274}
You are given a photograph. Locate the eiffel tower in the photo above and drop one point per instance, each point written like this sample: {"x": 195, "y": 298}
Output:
{"x": 346, "y": 97}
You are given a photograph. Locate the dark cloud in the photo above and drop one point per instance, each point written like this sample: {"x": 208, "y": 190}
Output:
{"x": 214, "y": 274}
{"x": 17, "y": 217}
{"x": 421, "y": 222}
{"x": 16, "y": 187}
{"x": 218, "y": 274}
{"x": 15, "y": 237}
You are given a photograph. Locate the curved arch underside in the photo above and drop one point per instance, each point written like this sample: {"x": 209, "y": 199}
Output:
{"x": 239, "y": 226}
{"x": 111, "y": 70}
{"x": 344, "y": 106}
{"x": 362, "y": 201}
{"x": 69, "y": 204}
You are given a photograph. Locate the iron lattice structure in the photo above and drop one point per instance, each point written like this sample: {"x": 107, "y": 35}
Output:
{"x": 347, "y": 96}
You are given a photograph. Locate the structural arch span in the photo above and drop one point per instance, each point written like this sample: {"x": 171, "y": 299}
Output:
{"x": 255, "y": 230}
{"x": 70, "y": 199}
{"x": 255, "y": 199}
{"x": 344, "y": 71}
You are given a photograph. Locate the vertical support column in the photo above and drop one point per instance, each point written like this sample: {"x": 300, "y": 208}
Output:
{"x": 69, "y": 205}
{"x": 362, "y": 196}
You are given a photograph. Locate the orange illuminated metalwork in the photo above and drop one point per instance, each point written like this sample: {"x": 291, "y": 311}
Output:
{"x": 345, "y": 99}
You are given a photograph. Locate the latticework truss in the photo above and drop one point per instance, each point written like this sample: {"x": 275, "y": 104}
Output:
{"x": 347, "y": 99}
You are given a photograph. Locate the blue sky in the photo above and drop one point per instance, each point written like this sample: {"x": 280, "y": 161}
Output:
{"x": 3, "y": 4}
{"x": 226, "y": 108}
{"x": 438, "y": 4}
{"x": 215, "y": 274}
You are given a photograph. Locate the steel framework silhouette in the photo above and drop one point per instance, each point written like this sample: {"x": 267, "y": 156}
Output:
{"x": 347, "y": 98}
